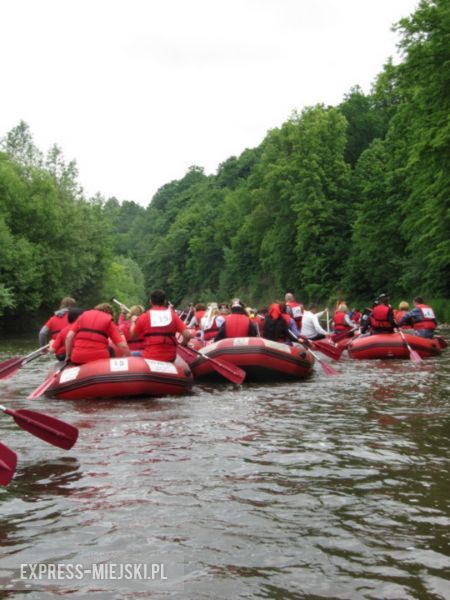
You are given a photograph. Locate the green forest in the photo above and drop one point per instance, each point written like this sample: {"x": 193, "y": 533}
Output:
{"x": 339, "y": 201}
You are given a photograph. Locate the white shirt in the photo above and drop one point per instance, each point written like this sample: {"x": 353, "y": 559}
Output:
{"x": 310, "y": 324}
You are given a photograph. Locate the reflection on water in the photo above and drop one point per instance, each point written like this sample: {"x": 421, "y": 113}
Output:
{"x": 328, "y": 488}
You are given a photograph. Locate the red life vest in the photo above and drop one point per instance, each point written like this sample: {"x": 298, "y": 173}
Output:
{"x": 159, "y": 335}
{"x": 428, "y": 320}
{"x": 211, "y": 332}
{"x": 356, "y": 316}
{"x": 199, "y": 314}
{"x": 379, "y": 317}
{"x": 133, "y": 344}
{"x": 237, "y": 325}
{"x": 339, "y": 321}
{"x": 93, "y": 326}
{"x": 57, "y": 324}
{"x": 296, "y": 311}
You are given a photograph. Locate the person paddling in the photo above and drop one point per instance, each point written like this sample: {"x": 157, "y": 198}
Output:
{"x": 237, "y": 324}
{"x": 421, "y": 317}
{"x": 58, "y": 345}
{"x": 89, "y": 338}
{"x": 56, "y": 322}
{"x": 137, "y": 344}
{"x": 341, "y": 319}
{"x": 382, "y": 318}
{"x": 158, "y": 327}
{"x": 311, "y": 328}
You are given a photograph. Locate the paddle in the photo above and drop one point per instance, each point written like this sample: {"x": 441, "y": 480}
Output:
{"x": 413, "y": 355}
{"x": 37, "y": 393}
{"x": 336, "y": 337}
{"x": 121, "y": 305}
{"x": 225, "y": 368}
{"x": 10, "y": 366}
{"x": 51, "y": 430}
{"x": 326, "y": 368}
{"x": 8, "y": 462}
{"x": 327, "y": 349}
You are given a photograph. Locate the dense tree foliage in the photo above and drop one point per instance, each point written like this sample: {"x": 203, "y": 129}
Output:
{"x": 347, "y": 200}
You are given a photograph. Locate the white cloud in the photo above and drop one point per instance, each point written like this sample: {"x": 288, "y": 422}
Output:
{"x": 138, "y": 91}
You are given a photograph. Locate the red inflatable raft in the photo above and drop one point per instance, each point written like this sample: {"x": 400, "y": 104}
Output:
{"x": 261, "y": 359}
{"x": 391, "y": 345}
{"x": 121, "y": 377}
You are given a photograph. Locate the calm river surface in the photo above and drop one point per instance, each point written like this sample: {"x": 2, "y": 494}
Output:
{"x": 335, "y": 487}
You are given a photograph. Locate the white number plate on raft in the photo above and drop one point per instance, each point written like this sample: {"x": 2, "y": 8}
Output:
{"x": 240, "y": 341}
{"x": 277, "y": 346}
{"x": 69, "y": 374}
{"x": 119, "y": 364}
{"x": 159, "y": 366}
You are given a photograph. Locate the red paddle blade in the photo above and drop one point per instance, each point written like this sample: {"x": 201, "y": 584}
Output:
{"x": 8, "y": 463}
{"x": 9, "y": 367}
{"x": 328, "y": 369}
{"x": 414, "y": 356}
{"x": 328, "y": 349}
{"x": 37, "y": 393}
{"x": 50, "y": 429}
{"x": 221, "y": 366}
{"x": 227, "y": 369}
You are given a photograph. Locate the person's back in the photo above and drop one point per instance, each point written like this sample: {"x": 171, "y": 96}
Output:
{"x": 89, "y": 338}
{"x": 311, "y": 328}
{"x": 276, "y": 325}
{"x": 341, "y": 320}
{"x": 158, "y": 327}
{"x": 56, "y": 322}
{"x": 382, "y": 317}
{"x": 237, "y": 324}
{"x": 421, "y": 317}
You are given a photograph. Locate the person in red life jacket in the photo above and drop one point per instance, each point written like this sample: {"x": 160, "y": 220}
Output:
{"x": 158, "y": 328}
{"x": 260, "y": 319}
{"x": 382, "y": 318}
{"x": 237, "y": 324}
{"x": 58, "y": 345}
{"x": 341, "y": 319}
{"x": 56, "y": 322}
{"x": 421, "y": 317}
{"x": 355, "y": 316}
{"x": 199, "y": 313}
{"x": 399, "y": 313}
{"x": 137, "y": 344}
{"x": 89, "y": 337}
{"x": 210, "y": 323}
{"x": 294, "y": 309}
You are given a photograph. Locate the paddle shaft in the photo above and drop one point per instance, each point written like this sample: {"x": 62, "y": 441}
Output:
{"x": 225, "y": 368}
{"x": 413, "y": 355}
{"x": 11, "y": 365}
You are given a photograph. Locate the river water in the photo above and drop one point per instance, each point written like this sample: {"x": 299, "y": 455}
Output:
{"x": 334, "y": 487}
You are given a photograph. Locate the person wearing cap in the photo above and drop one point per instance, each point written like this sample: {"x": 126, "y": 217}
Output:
{"x": 382, "y": 318}
{"x": 421, "y": 317}
{"x": 237, "y": 324}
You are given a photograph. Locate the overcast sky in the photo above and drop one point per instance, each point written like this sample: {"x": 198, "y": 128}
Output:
{"x": 136, "y": 91}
